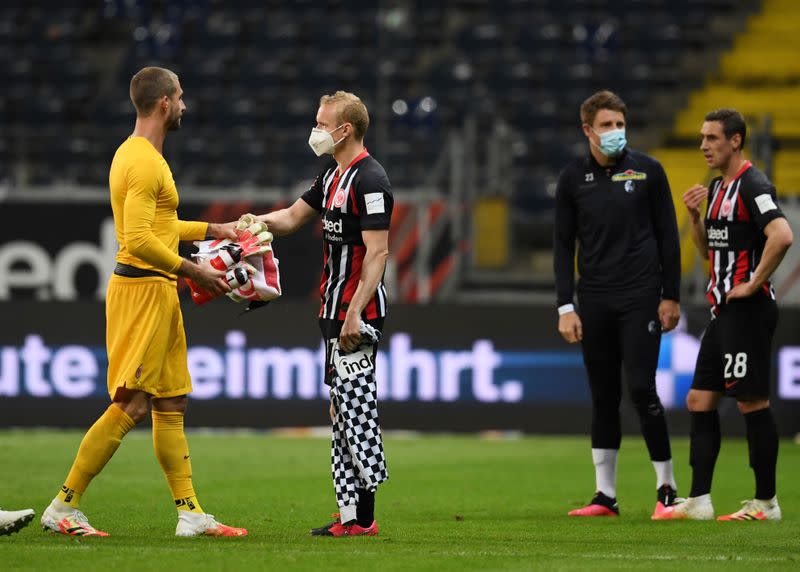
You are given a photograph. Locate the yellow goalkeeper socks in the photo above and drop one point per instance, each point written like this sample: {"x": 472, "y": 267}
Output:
{"x": 172, "y": 452}
{"x": 98, "y": 446}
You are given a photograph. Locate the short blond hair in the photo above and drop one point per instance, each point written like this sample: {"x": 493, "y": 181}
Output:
{"x": 349, "y": 109}
{"x": 149, "y": 85}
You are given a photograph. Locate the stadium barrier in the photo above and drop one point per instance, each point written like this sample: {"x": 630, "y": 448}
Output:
{"x": 440, "y": 367}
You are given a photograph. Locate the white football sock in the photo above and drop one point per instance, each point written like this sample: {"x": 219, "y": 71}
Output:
{"x": 605, "y": 471}
{"x": 664, "y": 474}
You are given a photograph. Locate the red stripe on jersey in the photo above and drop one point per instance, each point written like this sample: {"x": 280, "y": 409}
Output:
{"x": 746, "y": 165}
{"x": 360, "y": 156}
{"x": 742, "y": 214}
{"x": 741, "y": 268}
{"x": 713, "y": 275}
{"x": 710, "y": 297}
{"x": 353, "y": 201}
{"x": 720, "y": 196}
{"x": 352, "y": 280}
{"x": 371, "y": 310}
{"x": 324, "y": 278}
{"x": 332, "y": 189}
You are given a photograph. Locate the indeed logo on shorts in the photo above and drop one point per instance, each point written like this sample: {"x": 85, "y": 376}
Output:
{"x": 357, "y": 365}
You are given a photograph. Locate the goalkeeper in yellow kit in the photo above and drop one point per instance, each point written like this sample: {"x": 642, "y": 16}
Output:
{"x": 145, "y": 338}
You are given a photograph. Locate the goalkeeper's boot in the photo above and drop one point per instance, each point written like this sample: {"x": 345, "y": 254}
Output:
{"x": 601, "y": 505}
{"x": 12, "y": 521}
{"x": 755, "y": 509}
{"x": 692, "y": 508}
{"x": 336, "y": 528}
{"x": 666, "y": 498}
{"x": 203, "y": 524}
{"x": 63, "y": 519}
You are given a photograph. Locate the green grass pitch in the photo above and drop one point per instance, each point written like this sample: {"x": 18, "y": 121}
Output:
{"x": 452, "y": 503}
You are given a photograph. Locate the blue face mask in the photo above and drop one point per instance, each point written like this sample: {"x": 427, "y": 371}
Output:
{"x": 611, "y": 142}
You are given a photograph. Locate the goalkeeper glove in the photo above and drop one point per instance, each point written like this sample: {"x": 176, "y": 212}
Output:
{"x": 236, "y": 277}
{"x": 254, "y": 239}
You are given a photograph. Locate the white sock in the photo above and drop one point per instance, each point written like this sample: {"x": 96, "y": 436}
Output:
{"x": 347, "y": 513}
{"x": 702, "y": 498}
{"x": 664, "y": 474}
{"x": 61, "y": 507}
{"x": 605, "y": 471}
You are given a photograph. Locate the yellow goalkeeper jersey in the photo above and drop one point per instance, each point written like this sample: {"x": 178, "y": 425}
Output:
{"x": 145, "y": 201}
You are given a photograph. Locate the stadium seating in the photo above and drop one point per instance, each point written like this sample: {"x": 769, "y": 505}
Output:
{"x": 759, "y": 76}
{"x": 252, "y": 74}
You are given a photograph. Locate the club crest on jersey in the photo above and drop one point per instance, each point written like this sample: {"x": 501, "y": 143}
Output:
{"x": 629, "y": 186}
{"x": 629, "y": 175}
{"x": 727, "y": 207}
{"x": 338, "y": 198}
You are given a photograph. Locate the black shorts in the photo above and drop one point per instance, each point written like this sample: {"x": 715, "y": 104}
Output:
{"x": 330, "y": 331}
{"x": 736, "y": 352}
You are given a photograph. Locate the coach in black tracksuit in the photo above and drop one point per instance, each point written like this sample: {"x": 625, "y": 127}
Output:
{"x": 616, "y": 203}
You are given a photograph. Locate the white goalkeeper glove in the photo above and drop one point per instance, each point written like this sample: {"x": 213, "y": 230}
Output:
{"x": 254, "y": 237}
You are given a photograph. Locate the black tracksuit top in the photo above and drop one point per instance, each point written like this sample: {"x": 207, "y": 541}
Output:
{"x": 624, "y": 221}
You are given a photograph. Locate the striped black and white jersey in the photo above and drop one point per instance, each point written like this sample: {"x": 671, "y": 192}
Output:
{"x": 357, "y": 199}
{"x": 735, "y": 220}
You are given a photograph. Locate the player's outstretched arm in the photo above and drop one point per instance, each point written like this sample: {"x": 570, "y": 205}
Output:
{"x": 222, "y": 230}
{"x": 693, "y": 198}
{"x": 289, "y": 220}
{"x": 196, "y": 230}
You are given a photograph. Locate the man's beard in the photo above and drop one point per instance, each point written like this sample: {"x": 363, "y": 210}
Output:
{"x": 174, "y": 123}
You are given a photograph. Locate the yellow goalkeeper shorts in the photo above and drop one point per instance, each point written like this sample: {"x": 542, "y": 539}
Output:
{"x": 145, "y": 339}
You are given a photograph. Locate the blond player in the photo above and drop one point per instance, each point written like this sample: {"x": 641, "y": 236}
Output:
{"x": 145, "y": 338}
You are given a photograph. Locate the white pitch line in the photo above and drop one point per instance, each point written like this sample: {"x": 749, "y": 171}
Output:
{"x": 672, "y": 557}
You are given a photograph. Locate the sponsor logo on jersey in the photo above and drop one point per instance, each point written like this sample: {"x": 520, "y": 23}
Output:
{"x": 331, "y": 226}
{"x": 718, "y": 237}
{"x": 718, "y": 233}
{"x": 629, "y": 175}
{"x": 629, "y": 186}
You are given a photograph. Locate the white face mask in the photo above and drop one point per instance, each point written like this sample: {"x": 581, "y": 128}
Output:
{"x": 321, "y": 141}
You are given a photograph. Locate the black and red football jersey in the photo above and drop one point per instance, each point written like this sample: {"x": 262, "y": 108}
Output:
{"x": 359, "y": 198}
{"x": 735, "y": 219}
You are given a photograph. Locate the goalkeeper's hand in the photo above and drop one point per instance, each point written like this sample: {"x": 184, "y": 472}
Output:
{"x": 254, "y": 238}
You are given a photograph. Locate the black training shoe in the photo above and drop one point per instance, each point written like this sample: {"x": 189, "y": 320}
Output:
{"x": 325, "y": 530}
{"x": 666, "y": 498}
{"x": 667, "y": 495}
{"x": 601, "y": 505}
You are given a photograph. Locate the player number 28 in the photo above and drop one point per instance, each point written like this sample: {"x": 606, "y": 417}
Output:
{"x": 739, "y": 363}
